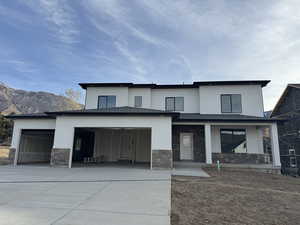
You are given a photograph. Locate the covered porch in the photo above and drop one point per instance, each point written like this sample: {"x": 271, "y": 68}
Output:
{"x": 229, "y": 142}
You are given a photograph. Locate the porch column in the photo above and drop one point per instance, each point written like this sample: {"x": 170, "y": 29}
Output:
{"x": 61, "y": 154}
{"x": 161, "y": 144}
{"x": 275, "y": 145}
{"x": 208, "y": 148}
{"x": 15, "y": 143}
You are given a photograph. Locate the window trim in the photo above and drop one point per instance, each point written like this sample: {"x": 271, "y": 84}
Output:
{"x": 174, "y": 109}
{"x": 230, "y": 95}
{"x": 106, "y": 96}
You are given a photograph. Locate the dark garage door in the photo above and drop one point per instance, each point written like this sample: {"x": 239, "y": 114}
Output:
{"x": 35, "y": 146}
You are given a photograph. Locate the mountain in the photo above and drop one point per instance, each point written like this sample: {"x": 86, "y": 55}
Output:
{"x": 20, "y": 101}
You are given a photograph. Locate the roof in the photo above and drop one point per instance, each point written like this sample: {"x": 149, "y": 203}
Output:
{"x": 196, "y": 117}
{"x": 294, "y": 85}
{"x": 283, "y": 96}
{"x": 262, "y": 83}
{"x": 132, "y": 111}
{"x": 29, "y": 116}
{"x": 125, "y": 110}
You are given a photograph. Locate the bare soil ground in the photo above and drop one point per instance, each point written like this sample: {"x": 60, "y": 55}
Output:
{"x": 4, "y": 151}
{"x": 237, "y": 197}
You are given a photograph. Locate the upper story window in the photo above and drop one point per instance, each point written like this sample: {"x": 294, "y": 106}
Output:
{"x": 231, "y": 103}
{"x": 138, "y": 101}
{"x": 174, "y": 104}
{"x": 107, "y": 101}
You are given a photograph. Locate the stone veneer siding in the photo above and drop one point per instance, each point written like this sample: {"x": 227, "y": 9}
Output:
{"x": 11, "y": 155}
{"x": 162, "y": 159}
{"x": 198, "y": 138}
{"x": 60, "y": 156}
{"x": 241, "y": 158}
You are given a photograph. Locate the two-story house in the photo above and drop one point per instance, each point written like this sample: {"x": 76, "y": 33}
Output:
{"x": 152, "y": 123}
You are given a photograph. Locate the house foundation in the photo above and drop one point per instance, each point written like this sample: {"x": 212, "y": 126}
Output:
{"x": 60, "y": 156}
{"x": 240, "y": 158}
{"x": 162, "y": 159}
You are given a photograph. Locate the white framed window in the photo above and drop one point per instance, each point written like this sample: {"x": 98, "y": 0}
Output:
{"x": 233, "y": 141}
{"x": 138, "y": 101}
{"x": 174, "y": 103}
{"x": 106, "y": 101}
{"x": 231, "y": 103}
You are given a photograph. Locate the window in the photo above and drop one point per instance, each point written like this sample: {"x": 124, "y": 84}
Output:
{"x": 78, "y": 144}
{"x": 231, "y": 103}
{"x": 106, "y": 101}
{"x": 174, "y": 104}
{"x": 138, "y": 101}
{"x": 233, "y": 141}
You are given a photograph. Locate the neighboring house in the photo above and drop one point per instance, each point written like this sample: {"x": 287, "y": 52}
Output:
{"x": 288, "y": 108}
{"x": 150, "y": 123}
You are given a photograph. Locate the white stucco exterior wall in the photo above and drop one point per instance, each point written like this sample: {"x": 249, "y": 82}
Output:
{"x": 144, "y": 92}
{"x": 161, "y": 128}
{"x": 92, "y": 94}
{"x": 20, "y": 124}
{"x": 252, "y": 99}
{"x": 191, "y": 98}
{"x": 254, "y": 138}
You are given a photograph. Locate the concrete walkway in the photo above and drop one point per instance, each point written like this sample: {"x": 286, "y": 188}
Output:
{"x": 109, "y": 196}
{"x": 191, "y": 169}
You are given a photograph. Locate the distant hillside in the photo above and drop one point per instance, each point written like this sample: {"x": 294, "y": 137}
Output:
{"x": 20, "y": 101}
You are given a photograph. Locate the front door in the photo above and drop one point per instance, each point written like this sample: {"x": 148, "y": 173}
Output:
{"x": 186, "y": 146}
{"x": 126, "y": 146}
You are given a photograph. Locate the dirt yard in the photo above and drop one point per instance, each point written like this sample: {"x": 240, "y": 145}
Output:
{"x": 4, "y": 151}
{"x": 236, "y": 197}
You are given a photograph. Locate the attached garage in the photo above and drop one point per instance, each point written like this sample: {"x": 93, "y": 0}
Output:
{"x": 35, "y": 146}
{"x": 122, "y": 145}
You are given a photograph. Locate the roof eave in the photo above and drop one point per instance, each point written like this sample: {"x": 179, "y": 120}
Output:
{"x": 13, "y": 117}
{"x": 230, "y": 120}
{"x": 112, "y": 113}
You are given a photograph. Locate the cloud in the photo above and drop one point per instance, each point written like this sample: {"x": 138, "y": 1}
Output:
{"x": 120, "y": 21}
{"x": 140, "y": 74}
{"x": 59, "y": 17}
{"x": 19, "y": 65}
{"x": 14, "y": 17}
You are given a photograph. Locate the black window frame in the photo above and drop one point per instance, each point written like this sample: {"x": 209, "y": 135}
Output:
{"x": 174, "y": 103}
{"x": 231, "y": 108}
{"x": 232, "y": 134}
{"x": 106, "y": 96}
{"x": 135, "y": 97}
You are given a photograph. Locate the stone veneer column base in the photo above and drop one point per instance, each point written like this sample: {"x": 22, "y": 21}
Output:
{"x": 241, "y": 158}
{"x": 11, "y": 155}
{"x": 60, "y": 157}
{"x": 162, "y": 159}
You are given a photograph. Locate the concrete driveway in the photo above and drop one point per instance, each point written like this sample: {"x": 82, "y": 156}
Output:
{"x": 79, "y": 196}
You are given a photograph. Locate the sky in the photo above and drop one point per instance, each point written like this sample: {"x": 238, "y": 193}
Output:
{"x": 52, "y": 45}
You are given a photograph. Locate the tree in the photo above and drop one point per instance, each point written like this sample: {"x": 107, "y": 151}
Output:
{"x": 6, "y": 127}
{"x": 72, "y": 94}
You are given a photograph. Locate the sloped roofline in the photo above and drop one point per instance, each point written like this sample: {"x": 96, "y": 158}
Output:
{"x": 283, "y": 96}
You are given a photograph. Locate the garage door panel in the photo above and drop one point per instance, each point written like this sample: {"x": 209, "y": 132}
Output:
{"x": 123, "y": 144}
{"x": 35, "y": 146}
